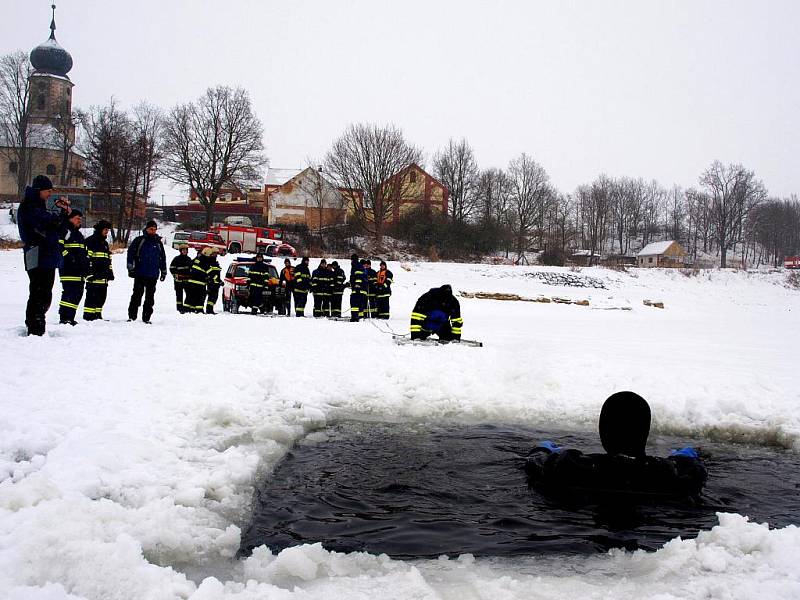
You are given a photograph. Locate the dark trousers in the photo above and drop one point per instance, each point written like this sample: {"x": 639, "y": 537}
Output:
{"x": 284, "y": 300}
{"x": 300, "y": 299}
{"x": 181, "y": 292}
{"x": 255, "y": 297}
{"x": 213, "y": 293}
{"x": 142, "y": 286}
{"x": 382, "y": 307}
{"x": 372, "y": 306}
{"x": 95, "y": 299}
{"x": 40, "y": 295}
{"x": 195, "y": 295}
{"x": 71, "y": 294}
{"x": 336, "y": 304}
{"x": 444, "y": 333}
{"x": 358, "y": 301}
{"x": 322, "y": 305}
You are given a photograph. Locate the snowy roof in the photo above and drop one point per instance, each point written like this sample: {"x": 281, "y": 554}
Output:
{"x": 655, "y": 248}
{"x": 280, "y": 176}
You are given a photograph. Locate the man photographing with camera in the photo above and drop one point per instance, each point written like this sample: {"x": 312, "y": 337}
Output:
{"x": 40, "y": 230}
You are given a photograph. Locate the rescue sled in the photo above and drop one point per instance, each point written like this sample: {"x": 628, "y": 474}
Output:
{"x": 402, "y": 340}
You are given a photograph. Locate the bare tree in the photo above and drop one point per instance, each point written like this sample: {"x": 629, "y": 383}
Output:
{"x": 368, "y": 159}
{"x": 493, "y": 194}
{"x": 676, "y": 213}
{"x": 63, "y": 138}
{"x": 15, "y": 72}
{"x": 594, "y": 203}
{"x": 530, "y": 189}
{"x": 735, "y": 193}
{"x": 212, "y": 143}
{"x": 457, "y": 169}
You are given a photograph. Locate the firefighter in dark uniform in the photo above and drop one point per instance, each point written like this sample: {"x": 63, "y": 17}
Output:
{"x": 302, "y": 282}
{"x": 287, "y": 285}
{"x": 383, "y": 291}
{"x": 258, "y": 275}
{"x": 358, "y": 289}
{"x": 196, "y": 283}
{"x": 339, "y": 283}
{"x": 437, "y": 311}
{"x": 371, "y": 276}
{"x": 180, "y": 267}
{"x": 74, "y": 269}
{"x": 322, "y": 288}
{"x": 213, "y": 281}
{"x": 100, "y": 271}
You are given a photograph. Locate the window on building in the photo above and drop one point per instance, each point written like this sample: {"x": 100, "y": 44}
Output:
{"x": 412, "y": 177}
{"x": 51, "y": 169}
{"x": 13, "y": 167}
{"x": 650, "y": 259}
{"x": 40, "y": 101}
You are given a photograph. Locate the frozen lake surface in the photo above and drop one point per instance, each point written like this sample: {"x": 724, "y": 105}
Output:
{"x": 419, "y": 491}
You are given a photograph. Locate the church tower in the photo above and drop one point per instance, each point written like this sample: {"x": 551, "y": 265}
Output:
{"x": 50, "y": 86}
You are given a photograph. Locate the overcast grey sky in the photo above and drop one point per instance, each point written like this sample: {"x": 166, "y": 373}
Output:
{"x": 656, "y": 89}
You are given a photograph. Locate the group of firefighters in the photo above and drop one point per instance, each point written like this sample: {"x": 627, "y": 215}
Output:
{"x": 53, "y": 241}
{"x": 197, "y": 283}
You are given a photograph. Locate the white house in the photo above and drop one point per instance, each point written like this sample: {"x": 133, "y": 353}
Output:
{"x": 662, "y": 254}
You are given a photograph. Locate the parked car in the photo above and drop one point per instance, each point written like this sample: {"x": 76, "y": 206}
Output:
{"x": 206, "y": 239}
{"x": 282, "y": 249}
{"x": 240, "y": 238}
{"x": 235, "y": 292}
{"x": 179, "y": 238}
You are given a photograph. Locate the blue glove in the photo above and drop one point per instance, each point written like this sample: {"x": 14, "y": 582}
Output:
{"x": 688, "y": 452}
{"x": 548, "y": 445}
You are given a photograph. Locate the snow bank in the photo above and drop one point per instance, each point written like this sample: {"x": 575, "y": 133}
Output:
{"x": 128, "y": 452}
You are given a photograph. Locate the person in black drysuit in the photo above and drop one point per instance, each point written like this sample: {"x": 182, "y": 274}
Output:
{"x": 180, "y": 267}
{"x": 73, "y": 270}
{"x": 358, "y": 289}
{"x": 625, "y": 470}
{"x": 100, "y": 272}
{"x": 213, "y": 281}
{"x": 147, "y": 264}
{"x": 257, "y": 284}
{"x": 339, "y": 283}
{"x": 322, "y": 288}
{"x": 302, "y": 283}
{"x": 40, "y": 231}
{"x": 287, "y": 285}
{"x": 437, "y": 311}
{"x": 383, "y": 291}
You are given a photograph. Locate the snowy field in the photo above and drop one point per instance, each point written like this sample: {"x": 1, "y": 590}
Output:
{"x": 129, "y": 453}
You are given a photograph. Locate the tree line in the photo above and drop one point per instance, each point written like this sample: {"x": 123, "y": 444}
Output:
{"x": 216, "y": 142}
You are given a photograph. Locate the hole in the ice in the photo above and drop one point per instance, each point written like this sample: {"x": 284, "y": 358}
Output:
{"x": 413, "y": 490}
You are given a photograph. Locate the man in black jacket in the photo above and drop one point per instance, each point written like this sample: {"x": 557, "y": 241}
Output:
{"x": 257, "y": 275}
{"x": 147, "y": 263}
{"x": 339, "y": 283}
{"x": 180, "y": 267}
{"x": 358, "y": 289}
{"x": 40, "y": 231}
{"x": 302, "y": 282}
{"x": 100, "y": 271}
{"x": 74, "y": 269}
{"x": 437, "y": 311}
{"x": 322, "y": 287}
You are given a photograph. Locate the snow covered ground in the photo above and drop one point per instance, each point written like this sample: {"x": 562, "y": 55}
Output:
{"x": 128, "y": 453}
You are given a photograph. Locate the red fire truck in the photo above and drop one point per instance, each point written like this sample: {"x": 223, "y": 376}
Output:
{"x": 792, "y": 262}
{"x": 240, "y": 238}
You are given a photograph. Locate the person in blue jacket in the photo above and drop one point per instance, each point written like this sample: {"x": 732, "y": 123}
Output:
{"x": 40, "y": 230}
{"x": 147, "y": 263}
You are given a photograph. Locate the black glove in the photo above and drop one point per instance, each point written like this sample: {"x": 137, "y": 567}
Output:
{"x": 110, "y": 276}
{"x": 163, "y": 276}
{"x": 131, "y": 273}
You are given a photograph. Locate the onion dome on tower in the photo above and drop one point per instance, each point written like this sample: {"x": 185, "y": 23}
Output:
{"x": 49, "y": 57}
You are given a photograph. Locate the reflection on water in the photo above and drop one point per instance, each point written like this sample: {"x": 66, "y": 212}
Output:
{"x": 412, "y": 490}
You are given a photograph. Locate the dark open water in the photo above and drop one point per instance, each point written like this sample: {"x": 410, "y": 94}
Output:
{"x": 413, "y": 490}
